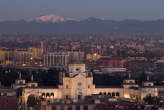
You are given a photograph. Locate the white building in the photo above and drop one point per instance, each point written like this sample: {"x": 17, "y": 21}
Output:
{"x": 79, "y": 84}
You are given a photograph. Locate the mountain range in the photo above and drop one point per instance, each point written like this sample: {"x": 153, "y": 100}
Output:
{"x": 53, "y": 24}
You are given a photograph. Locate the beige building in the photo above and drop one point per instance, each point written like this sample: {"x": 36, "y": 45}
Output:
{"x": 14, "y": 57}
{"x": 6, "y": 57}
{"x": 37, "y": 53}
{"x": 79, "y": 84}
{"x": 22, "y": 57}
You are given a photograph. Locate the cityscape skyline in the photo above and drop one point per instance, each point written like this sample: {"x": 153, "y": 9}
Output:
{"x": 114, "y": 10}
{"x": 81, "y": 55}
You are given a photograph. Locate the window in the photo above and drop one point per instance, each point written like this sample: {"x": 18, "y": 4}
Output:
{"x": 53, "y": 107}
{"x": 88, "y": 86}
{"x": 69, "y": 107}
{"x": 67, "y": 97}
{"x": 113, "y": 94}
{"x": 43, "y": 94}
{"x": 52, "y": 94}
{"x": 61, "y": 107}
{"x": 85, "y": 107}
{"x": 77, "y": 69}
{"x": 117, "y": 94}
{"x": 79, "y": 97}
{"x": 66, "y": 86}
{"x": 109, "y": 94}
{"x": 44, "y": 108}
{"x": 79, "y": 84}
{"x": 47, "y": 94}
{"x": 33, "y": 85}
{"x": 78, "y": 107}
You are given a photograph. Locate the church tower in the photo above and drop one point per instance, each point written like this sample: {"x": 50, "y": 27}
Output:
{"x": 148, "y": 88}
{"x": 148, "y": 83}
{"x": 79, "y": 83}
{"x": 75, "y": 69}
{"x": 32, "y": 83}
{"x": 130, "y": 83}
{"x": 19, "y": 83}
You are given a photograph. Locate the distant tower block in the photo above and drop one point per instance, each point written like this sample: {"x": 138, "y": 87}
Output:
{"x": 43, "y": 46}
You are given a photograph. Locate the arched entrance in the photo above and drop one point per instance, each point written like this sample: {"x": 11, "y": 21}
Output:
{"x": 79, "y": 96}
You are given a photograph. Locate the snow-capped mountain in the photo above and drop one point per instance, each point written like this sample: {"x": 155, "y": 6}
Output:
{"x": 50, "y": 18}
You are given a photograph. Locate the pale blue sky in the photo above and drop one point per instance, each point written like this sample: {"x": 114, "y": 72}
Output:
{"x": 81, "y": 9}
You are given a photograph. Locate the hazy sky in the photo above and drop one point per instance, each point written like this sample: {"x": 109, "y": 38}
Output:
{"x": 81, "y": 9}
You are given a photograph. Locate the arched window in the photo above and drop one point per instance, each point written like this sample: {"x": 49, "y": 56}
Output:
{"x": 21, "y": 82}
{"x": 113, "y": 94}
{"x": 47, "y": 94}
{"x": 52, "y": 94}
{"x": 66, "y": 96}
{"x": 43, "y": 94}
{"x": 109, "y": 94}
{"x": 104, "y": 93}
{"x": 117, "y": 94}
{"x": 100, "y": 93}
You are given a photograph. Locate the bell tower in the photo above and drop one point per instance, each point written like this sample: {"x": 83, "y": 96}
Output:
{"x": 19, "y": 82}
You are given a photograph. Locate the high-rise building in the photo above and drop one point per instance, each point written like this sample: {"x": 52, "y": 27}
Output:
{"x": 22, "y": 57}
{"x": 6, "y": 56}
{"x": 37, "y": 53}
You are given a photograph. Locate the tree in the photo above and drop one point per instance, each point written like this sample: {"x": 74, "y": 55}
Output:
{"x": 153, "y": 100}
{"x": 31, "y": 101}
{"x": 149, "y": 99}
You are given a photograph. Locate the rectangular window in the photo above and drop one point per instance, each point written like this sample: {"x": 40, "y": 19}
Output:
{"x": 78, "y": 107}
{"x": 53, "y": 107}
{"x": 70, "y": 108}
{"x": 85, "y": 107}
{"x": 61, "y": 107}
